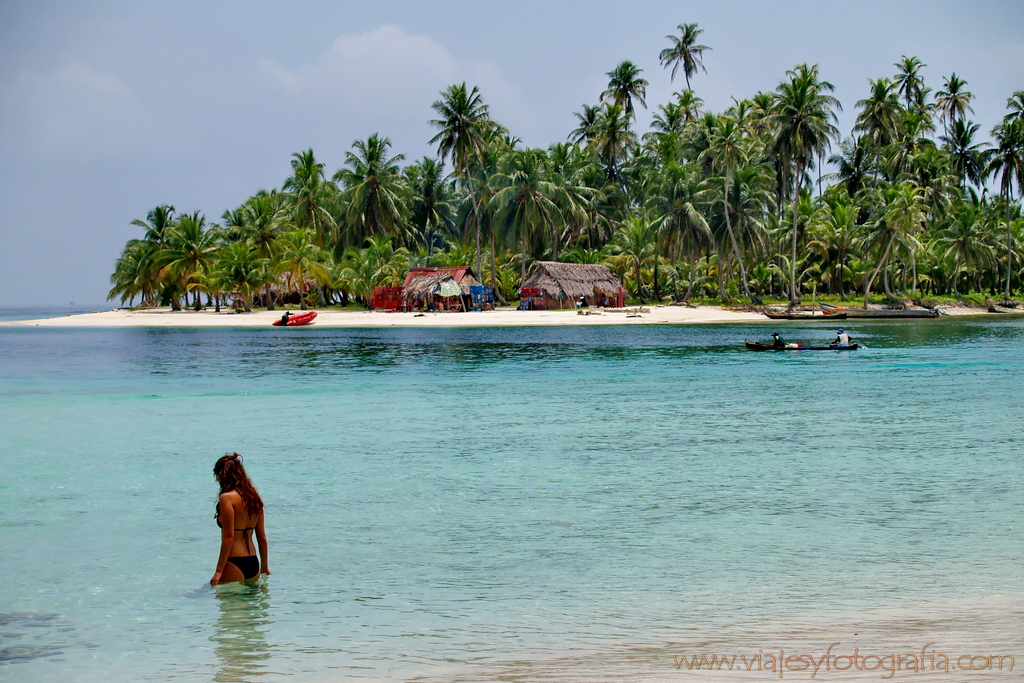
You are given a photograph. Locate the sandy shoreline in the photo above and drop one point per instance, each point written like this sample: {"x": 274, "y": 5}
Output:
{"x": 504, "y": 317}
{"x": 164, "y": 317}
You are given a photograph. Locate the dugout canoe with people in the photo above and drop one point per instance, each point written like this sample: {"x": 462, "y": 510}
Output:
{"x": 842, "y": 342}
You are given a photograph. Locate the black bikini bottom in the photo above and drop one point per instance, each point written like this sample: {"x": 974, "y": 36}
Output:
{"x": 249, "y": 566}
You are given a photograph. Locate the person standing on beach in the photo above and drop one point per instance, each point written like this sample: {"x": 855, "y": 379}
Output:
{"x": 239, "y": 514}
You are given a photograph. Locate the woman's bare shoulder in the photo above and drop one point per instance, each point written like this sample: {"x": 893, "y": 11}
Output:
{"x": 230, "y": 497}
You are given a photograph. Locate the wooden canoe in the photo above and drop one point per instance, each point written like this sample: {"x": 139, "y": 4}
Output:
{"x": 758, "y": 346}
{"x": 833, "y": 311}
{"x": 805, "y": 315}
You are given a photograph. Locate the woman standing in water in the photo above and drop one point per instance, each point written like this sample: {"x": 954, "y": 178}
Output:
{"x": 239, "y": 513}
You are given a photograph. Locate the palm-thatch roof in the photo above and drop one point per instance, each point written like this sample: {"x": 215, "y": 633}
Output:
{"x": 573, "y": 280}
{"x": 424, "y": 281}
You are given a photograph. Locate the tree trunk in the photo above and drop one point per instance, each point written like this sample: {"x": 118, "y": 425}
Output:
{"x": 794, "y": 300}
{"x": 881, "y": 263}
{"x": 693, "y": 269}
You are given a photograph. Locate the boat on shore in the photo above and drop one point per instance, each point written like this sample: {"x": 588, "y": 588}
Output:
{"x": 804, "y": 315}
{"x": 758, "y": 346}
{"x": 830, "y": 311}
{"x": 297, "y": 320}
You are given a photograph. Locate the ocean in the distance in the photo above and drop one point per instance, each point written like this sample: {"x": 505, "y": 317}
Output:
{"x": 516, "y": 504}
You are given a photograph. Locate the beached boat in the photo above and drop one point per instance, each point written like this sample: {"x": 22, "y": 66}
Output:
{"x": 297, "y": 320}
{"x": 758, "y": 346}
{"x": 831, "y": 311}
{"x": 804, "y": 315}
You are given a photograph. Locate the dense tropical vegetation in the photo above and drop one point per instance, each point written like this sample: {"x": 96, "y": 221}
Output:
{"x": 735, "y": 205}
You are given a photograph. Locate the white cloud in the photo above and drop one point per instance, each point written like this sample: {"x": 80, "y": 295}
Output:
{"x": 73, "y": 107}
{"x": 381, "y": 60}
{"x": 385, "y": 81}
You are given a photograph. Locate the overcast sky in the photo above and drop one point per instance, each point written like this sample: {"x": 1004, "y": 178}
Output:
{"x": 108, "y": 109}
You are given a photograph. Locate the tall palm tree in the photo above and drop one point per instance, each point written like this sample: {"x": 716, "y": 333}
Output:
{"x": 585, "y": 132}
{"x": 953, "y": 102}
{"x": 431, "y": 208}
{"x": 259, "y": 223}
{"x": 373, "y": 193}
{"x": 909, "y": 82}
{"x": 685, "y": 52}
{"x": 189, "y": 251}
{"x": 966, "y": 157}
{"x": 528, "y": 202}
{"x": 803, "y": 120}
{"x": 614, "y": 140}
{"x": 311, "y": 196}
{"x": 624, "y": 86}
{"x": 672, "y": 204}
{"x": 1007, "y": 162}
{"x": 880, "y": 112}
{"x": 157, "y": 224}
{"x": 900, "y": 214}
{"x": 463, "y": 123}
{"x": 729, "y": 151}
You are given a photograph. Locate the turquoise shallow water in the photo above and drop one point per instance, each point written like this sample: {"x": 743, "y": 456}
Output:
{"x": 478, "y": 504}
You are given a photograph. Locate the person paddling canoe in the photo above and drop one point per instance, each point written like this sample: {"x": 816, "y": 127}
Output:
{"x": 842, "y": 339}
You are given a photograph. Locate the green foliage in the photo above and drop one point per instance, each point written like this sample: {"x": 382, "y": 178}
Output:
{"x": 703, "y": 205}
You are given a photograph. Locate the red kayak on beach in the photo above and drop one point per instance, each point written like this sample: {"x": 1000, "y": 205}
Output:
{"x": 296, "y": 320}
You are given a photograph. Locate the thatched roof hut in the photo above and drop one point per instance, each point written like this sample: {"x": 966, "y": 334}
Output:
{"x": 420, "y": 282}
{"x": 564, "y": 283}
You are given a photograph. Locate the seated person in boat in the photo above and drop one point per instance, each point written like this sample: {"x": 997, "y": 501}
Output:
{"x": 777, "y": 341}
{"x": 842, "y": 339}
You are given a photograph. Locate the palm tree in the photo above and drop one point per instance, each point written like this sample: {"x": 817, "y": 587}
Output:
{"x": 528, "y": 201}
{"x": 379, "y": 263}
{"x": 676, "y": 217}
{"x": 880, "y": 112}
{"x": 966, "y": 158}
{"x": 634, "y": 245}
{"x": 900, "y": 214}
{"x": 953, "y": 101}
{"x": 1007, "y": 161}
{"x": 373, "y": 193}
{"x": 963, "y": 241}
{"x": 909, "y": 82}
{"x": 853, "y": 164}
{"x": 624, "y": 86}
{"x": 189, "y": 252}
{"x": 136, "y": 272}
{"x": 311, "y": 196}
{"x": 613, "y": 139}
{"x": 1015, "y": 104}
{"x": 803, "y": 119}
{"x": 463, "y": 125}
{"x": 300, "y": 258}
{"x": 241, "y": 272}
{"x": 587, "y": 129}
{"x": 157, "y": 224}
{"x": 260, "y": 222}
{"x": 689, "y": 104}
{"x": 684, "y": 52}
{"x": 431, "y": 208}
{"x": 727, "y": 152}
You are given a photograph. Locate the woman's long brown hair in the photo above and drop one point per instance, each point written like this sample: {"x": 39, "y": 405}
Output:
{"x": 232, "y": 477}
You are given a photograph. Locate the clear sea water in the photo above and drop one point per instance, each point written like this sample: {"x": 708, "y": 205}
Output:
{"x": 508, "y": 504}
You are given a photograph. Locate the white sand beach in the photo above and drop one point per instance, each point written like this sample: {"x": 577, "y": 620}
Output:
{"x": 503, "y": 317}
